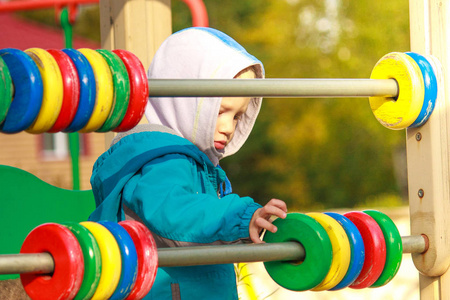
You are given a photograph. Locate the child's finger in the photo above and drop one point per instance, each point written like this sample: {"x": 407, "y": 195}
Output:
{"x": 254, "y": 236}
{"x": 265, "y": 224}
{"x": 278, "y": 203}
{"x": 270, "y": 210}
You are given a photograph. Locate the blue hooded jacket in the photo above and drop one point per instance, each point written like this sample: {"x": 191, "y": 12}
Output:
{"x": 172, "y": 186}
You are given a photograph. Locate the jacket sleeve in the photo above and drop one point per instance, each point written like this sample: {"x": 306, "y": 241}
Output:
{"x": 168, "y": 194}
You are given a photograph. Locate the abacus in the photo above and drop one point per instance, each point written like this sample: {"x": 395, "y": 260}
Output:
{"x": 427, "y": 139}
{"x": 107, "y": 260}
{"x": 89, "y": 90}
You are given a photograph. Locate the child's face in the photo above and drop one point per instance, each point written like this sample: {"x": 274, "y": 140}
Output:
{"x": 231, "y": 110}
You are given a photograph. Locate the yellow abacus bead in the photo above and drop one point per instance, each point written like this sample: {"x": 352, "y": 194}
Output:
{"x": 341, "y": 251}
{"x": 111, "y": 260}
{"x": 401, "y": 112}
{"x": 53, "y": 90}
{"x": 105, "y": 90}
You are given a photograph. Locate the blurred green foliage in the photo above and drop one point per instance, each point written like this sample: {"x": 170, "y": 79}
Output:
{"x": 312, "y": 153}
{"x": 316, "y": 153}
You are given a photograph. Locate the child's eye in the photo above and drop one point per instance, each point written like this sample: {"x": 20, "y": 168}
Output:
{"x": 237, "y": 117}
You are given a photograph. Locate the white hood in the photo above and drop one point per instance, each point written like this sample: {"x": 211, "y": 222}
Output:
{"x": 201, "y": 53}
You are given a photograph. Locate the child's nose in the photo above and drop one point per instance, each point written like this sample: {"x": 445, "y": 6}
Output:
{"x": 227, "y": 126}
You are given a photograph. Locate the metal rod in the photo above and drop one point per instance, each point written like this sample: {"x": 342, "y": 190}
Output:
{"x": 42, "y": 263}
{"x": 207, "y": 255}
{"x": 304, "y": 88}
{"x": 38, "y": 263}
{"x": 415, "y": 244}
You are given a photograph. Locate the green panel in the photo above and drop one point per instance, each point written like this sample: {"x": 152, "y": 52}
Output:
{"x": 26, "y": 202}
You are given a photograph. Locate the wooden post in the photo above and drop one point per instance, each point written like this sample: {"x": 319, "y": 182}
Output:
{"x": 139, "y": 26}
{"x": 428, "y": 153}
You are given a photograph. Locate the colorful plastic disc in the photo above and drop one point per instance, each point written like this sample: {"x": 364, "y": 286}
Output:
{"x": 431, "y": 88}
{"x": 53, "y": 90}
{"x": 71, "y": 90}
{"x": 138, "y": 90}
{"x": 147, "y": 258}
{"x": 88, "y": 92}
{"x": 105, "y": 90}
{"x": 357, "y": 250}
{"x": 6, "y": 90}
{"x": 67, "y": 276}
{"x": 111, "y": 260}
{"x": 398, "y": 113}
{"x": 92, "y": 260}
{"x": 28, "y": 90}
{"x": 394, "y": 247}
{"x": 129, "y": 259}
{"x": 308, "y": 232}
{"x": 121, "y": 90}
{"x": 341, "y": 251}
{"x": 374, "y": 247}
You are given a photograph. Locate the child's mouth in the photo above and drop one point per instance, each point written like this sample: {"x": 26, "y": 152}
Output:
{"x": 219, "y": 145}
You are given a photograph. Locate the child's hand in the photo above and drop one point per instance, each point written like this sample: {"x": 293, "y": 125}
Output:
{"x": 261, "y": 218}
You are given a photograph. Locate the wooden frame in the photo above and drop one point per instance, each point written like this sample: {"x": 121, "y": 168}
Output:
{"x": 139, "y": 26}
{"x": 428, "y": 152}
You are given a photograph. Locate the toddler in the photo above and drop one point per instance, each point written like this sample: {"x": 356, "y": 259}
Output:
{"x": 166, "y": 174}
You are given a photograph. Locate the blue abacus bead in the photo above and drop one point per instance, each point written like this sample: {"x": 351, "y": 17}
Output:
{"x": 129, "y": 260}
{"x": 87, "y": 90}
{"x": 357, "y": 248}
{"x": 28, "y": 90}
{"x": 430, "y": 86}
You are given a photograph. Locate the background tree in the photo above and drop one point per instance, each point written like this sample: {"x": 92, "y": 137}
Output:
{"x": 316, "y": 153}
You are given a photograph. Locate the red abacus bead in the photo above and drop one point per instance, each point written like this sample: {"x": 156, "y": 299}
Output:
{"x": 374, "y": 247}
{"x": 71, "y": 90}
{"x": 147, "y": 258}
{"x": 138, "y": 90}
{"x": 63, "y": 246}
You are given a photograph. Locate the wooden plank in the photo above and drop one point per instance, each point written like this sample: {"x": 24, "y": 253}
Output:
{"x": 428, "y": 154}
{"x": 429, "y": 287}
{"x": 139, "y": 26}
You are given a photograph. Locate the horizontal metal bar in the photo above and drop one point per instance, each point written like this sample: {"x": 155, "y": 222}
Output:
{"x": 208, "y": 255}
{"x": 415, "y": 244}
{"x": 288, "y": 251}
{"x": 42, "y": 263}
{"x": 38, "y": 263}
{"x": 271, "y": 87}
